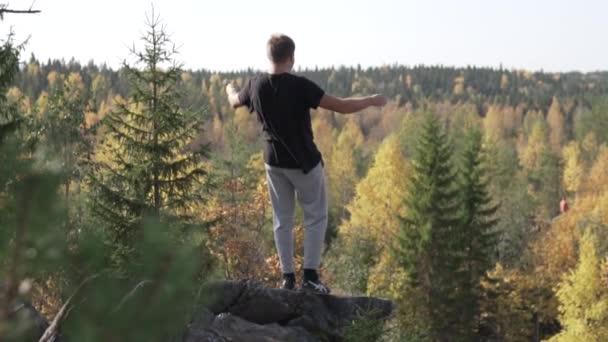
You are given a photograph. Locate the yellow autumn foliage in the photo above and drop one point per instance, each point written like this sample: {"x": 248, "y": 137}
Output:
{"x": 573, "y": 167}
{"x": 378, "y": 202}
{"x": 530, "y": 156}
{"x": 342, "y": 167}
{"x": 583, "y": 298}
{"x": 556, "y": 121}
{"x": 597, "y": 180}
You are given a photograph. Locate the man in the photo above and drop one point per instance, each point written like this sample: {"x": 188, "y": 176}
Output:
{"x": 294, "y": 167}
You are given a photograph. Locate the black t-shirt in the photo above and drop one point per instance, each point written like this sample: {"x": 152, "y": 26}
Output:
{"x": 282, "y": 103}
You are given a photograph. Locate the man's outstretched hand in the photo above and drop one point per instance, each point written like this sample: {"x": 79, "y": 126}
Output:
{"x": 233, "y": 95}
{"x": 230, "y": 88}
{"x": 378, "y": 100}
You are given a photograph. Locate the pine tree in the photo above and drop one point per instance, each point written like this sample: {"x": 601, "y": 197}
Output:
{"x": 508, "y": 186}
{"x": 476, "y": 230}
{"x": 147, "y": 167}
{"x": 426, "y": 247}
{"x": 9, "y": 66}
{"x": 541, "y": 168}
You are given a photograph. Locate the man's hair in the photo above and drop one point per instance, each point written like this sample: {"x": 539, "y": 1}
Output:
{"x": 280, "y": 47}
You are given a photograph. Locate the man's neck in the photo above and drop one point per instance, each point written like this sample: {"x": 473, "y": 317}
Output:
{"x": 279, "y": 69}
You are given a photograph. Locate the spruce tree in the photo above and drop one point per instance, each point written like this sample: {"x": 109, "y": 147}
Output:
{"x": 476, "y": 231}
{"x": 426, "y": 245}
{"x": 9, "y": 66}
{"x": 147, "y": 167}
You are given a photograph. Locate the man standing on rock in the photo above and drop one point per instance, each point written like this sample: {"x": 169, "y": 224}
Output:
{"x": 294, "y": 167}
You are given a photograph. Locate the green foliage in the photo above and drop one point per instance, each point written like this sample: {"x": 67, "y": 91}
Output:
{"x": 516, "y": 209}
{"x": 507, "y": 311}
{"x": 164, "y": 281}
{"x": 29, "y": 244}
{"x": 153, "y": 304}
{"x": 142, "y": 162}
{"x": 149, "y": 169}
{"x": 9, "y": 66}
{"x": 425, "y": 245}
{"x": 31, "y": 239}
{"x": 545, "y": 181}
{"x": 476, "y": 232}
{"x": 364, "y": 328}
{"x": 350, "y": 259}
{"x": 507, "y": 185}
{"x": 593, "y": 118}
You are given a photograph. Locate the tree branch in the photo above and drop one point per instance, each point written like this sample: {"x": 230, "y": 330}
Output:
{"x": 130, "y": 294}
{"x": 29, "y": 11}
{"x": 52, "y": 329}
{"x": 4, "y": 10}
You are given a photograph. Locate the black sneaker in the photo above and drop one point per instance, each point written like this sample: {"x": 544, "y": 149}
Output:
{"x": 315, "y": 286}
{"x": 289, "y": 283}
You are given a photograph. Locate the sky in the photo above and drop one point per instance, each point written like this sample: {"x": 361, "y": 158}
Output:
{"x": 549, "y": 35}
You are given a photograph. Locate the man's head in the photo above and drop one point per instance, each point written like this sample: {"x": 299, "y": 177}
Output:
{"x": 280, "y": 50}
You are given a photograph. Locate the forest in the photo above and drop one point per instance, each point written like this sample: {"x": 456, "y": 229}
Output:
{"x": 476, "y": 200}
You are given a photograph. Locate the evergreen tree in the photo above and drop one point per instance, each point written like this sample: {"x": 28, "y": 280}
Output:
{"x": 154, "y": 304}
{"x": 426, "y": 247}
{"x": 541, "y": 167}
{"x": 9, "y": 66}
{"x": 146, "y": 167}
{"x": 593, "y": 118}
{"x": 546, "y": 180}
{"x": 476, "y": 231}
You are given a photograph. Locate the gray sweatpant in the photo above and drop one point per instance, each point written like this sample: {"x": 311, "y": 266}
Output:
{"x": 284, "y": 185}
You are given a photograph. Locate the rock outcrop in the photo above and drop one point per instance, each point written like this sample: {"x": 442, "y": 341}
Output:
{"x": 248, "y": 311}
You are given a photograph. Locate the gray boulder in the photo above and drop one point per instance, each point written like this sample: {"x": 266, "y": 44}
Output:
{"x": 249, "y": 311}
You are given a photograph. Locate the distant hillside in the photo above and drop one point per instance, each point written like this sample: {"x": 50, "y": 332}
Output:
{"x": 408, "y": 84}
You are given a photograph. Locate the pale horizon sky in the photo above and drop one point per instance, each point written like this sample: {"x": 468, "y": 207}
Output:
{"x": 556, "y": 35}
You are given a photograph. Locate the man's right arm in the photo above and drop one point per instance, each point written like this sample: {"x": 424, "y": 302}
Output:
{"x": 351, "y": 104}
{"x": 233, "y": 96}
